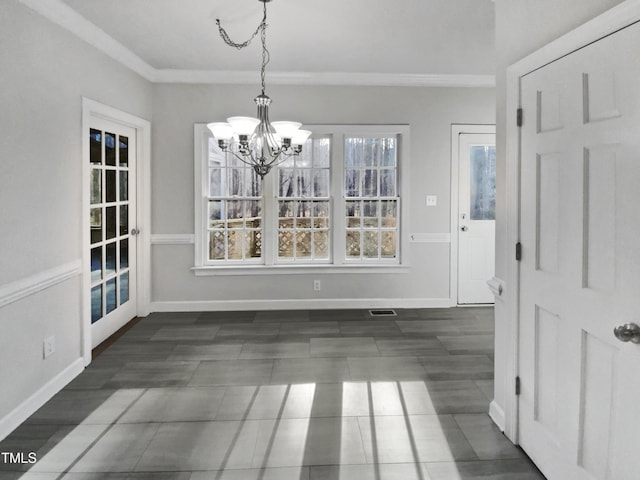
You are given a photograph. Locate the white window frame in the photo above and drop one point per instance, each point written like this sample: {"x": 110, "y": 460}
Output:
{"x": 338, "y": 260}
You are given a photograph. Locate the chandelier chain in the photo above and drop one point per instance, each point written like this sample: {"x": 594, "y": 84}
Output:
{"x": 262, "y": 28}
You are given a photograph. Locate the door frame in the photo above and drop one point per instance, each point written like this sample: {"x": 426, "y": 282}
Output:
{"x": 618, "y": 17}
{"x": 456, "y": 131}
{"x": 93, "y": 109}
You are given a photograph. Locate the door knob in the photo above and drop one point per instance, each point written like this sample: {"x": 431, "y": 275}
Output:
{"x": 464, "y": 228}
{"x": 135, "y": 231}
{"x": 629, "y": 332}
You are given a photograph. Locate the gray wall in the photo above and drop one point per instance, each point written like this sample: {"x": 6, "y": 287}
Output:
{"x": 45, "y": 72}
{"x": 430, "y": 113}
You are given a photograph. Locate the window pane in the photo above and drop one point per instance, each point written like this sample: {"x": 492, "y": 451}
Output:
{"x": 321, "y": 244}
{"x": 370, "y": 244}
{"x": 124, "y": 185}
{"x": 303, "y": 218}
{"x": 389, "y": 213}
{"x": 234, "y": 212}
{"x": 321, "y": 152}
{"x": 370, "y": 188}
{"x": 215, "y": 183}
{"x": 286, "y": 211}
{"x": 216, "y": 216}
{"x": 110, "y": 185}
{"x": 96, "y": 186}
{"x": 253, "y": 247}
{"x": 96, "y": 303}
{"x": 286, "y": 182}
{"x": 388, "y": 152}
{"x": 111, "y": 289}
{"x": 371, "y": 152}
{"x": 124, "y": 288}
{"x": 353, "y": 244}
{"x": 95, "y": 146}
{"x": 235, "y": 178}
{"x": 321, "y": 214}
{"x": 124, "y": 254}
{"x": 303, "y": 244}
{"x": 387, "y": 183}
{"x": 217, "y": 245}
{"x": 370, "y": 214}
{"x": 353, "y": 214}
{"x": 483, "y": 183}
{"x": 95, "y": 220}
{"x": 110, "y": 149}
{"x": 96, "y": 264}
{"x": 321, "y": 183}
{"x": 124, "y": 151}
{"x": 352, "y": 183}
{"x": 111, "y": 222}
{"x": 234, "y": 245}
{"x": 253, "y": 213}
{"x": 285, "y": 243}
{"x": 388, "y": 247}
{"x": 353, "y": 152}
{"x": 304, "y": 182}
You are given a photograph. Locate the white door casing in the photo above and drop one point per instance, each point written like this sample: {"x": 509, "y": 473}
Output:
{"x": 580, "y": 268}
{"x": 136, "y": 132}
{"x": 476, "y": 217}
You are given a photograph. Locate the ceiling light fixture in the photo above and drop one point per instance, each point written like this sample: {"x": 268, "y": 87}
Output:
{"x": 256, "y": 141}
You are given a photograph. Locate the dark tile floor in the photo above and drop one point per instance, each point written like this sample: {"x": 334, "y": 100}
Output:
{"x": 304, "y": 395}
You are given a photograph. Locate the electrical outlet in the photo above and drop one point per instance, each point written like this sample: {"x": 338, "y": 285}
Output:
{"x": 432, "y": 200}
{"x": 48, "y": 346}
{"x": 317, "y": 286}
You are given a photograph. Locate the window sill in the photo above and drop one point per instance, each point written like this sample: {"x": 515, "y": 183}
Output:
{"x": 297, "y": 269}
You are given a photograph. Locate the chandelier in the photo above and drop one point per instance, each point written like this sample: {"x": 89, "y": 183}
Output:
{"x": 256, "y": 141}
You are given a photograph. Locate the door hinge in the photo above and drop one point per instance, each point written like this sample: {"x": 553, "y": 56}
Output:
{"x": 518, "y": 252}
{"x": 517, "y": 385}
{"x": 519, "y": 116}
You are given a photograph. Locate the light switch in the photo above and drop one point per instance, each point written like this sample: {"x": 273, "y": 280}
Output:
{"x": 432, "y": 200}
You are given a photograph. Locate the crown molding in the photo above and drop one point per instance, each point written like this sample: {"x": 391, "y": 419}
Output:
{"x": 61, "y": 14}
{"x": 326, "y": 78}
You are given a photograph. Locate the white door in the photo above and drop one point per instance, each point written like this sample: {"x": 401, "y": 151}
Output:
{"x": 579, "y": 407}
{"x": 476, "y": 216}
{"x": 112, "y": 218}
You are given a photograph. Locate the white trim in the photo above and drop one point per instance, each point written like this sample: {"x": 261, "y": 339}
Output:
{"x": 298, "y": 269}
{"x": 497, "y": 415}
{"x": 66, "y": 17}
{"x": 301, "y": 304}
{"x": 456, "y": 131}
{"x": 430, "y": 238}
{"x": 326, "y": 78}
{"x": 173, "y": 239}
{"x": 19, "y": 289}
{"x": 93, "y": 109}
{"x": 616, "y": 18}
{"x": 27, "y": 408}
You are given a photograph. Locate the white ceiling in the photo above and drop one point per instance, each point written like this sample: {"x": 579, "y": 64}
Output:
{"x": 347, "y": 36}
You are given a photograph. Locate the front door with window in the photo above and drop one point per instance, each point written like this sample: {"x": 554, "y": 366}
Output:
{"x": 580, "y": 269}
{"x": 476, "y": 216}
{"x": 112, "y": 221}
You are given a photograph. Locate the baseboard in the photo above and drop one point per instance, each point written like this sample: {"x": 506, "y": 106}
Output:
{"x": 27, "y": 408}
{"x": 302, "y": 304}
{"x": 497, "y": 415}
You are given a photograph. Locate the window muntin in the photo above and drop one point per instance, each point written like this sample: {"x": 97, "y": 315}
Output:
{"x": 234, "y": 209}
{"x": 303, "y": 204}
{"x": 371, "y": 200}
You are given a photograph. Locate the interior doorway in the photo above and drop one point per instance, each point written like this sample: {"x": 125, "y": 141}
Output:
{"x": 473, "y": 167}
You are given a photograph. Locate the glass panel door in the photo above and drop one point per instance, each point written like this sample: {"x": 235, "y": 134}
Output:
{"x": 111, "y": 223}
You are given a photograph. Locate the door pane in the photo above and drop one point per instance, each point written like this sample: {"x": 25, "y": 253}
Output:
{"x": 483, "y": 183}
{"x": 124, "y": 288}
{"x": 110, "y": 185}
{"x": 124, "y": 151}
{"x": 96, "y": 264}
{"x": 124, "y": 185}
{"x": 124, "y": 254}
{"x": 111, "y": 222}
{"x": 95, "y": 222}
{"x": 96, "y": 303}
{"x": 110, "y": 264}
{"x": 110, "y": 149}
{"x": 124, "y": 219}
{"x": 95, "y": 146}
{"x": 96, "y": 186}
{"x": 111, "y": 295}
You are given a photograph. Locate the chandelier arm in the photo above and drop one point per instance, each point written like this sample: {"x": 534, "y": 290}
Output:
{"x": 242, "y": 159}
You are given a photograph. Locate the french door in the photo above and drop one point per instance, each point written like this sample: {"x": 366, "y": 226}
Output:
{"x": 580, "y": 269}
{"x": 112, "y": 226}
